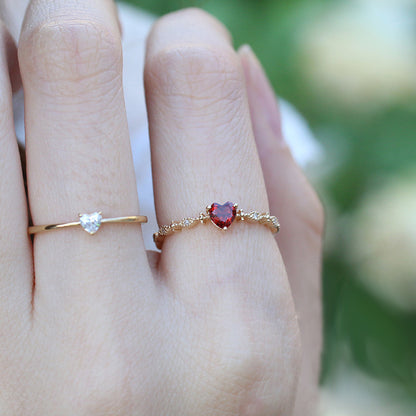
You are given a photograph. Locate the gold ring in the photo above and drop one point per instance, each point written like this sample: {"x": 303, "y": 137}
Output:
{"x": 89, "y": 222}
{"x": 222, "y": 216}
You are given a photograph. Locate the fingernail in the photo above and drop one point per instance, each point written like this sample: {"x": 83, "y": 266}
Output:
{"x": 259, "y": 89}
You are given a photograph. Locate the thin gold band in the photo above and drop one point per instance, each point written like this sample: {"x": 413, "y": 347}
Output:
{"x": 270, "y": 221}
{"x": 130, "y": 219}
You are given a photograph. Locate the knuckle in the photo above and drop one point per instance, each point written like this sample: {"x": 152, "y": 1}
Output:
{"x": 71, "y": 49}
{"x": 198, "y": 75}
{"x": 248, "y": 366}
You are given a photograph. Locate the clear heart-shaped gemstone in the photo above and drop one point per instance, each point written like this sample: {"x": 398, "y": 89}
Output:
{"x": 91, "y": 222}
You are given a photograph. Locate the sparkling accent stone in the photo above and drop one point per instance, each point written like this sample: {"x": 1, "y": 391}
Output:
{"x": 91, "y": 222}
{"x": 255, "y": 215}
{"x": 176, "y": 225}
{"x": 187, "y": 222}
{"x": 275, "y": 222}
{"x": 222, "y": 215}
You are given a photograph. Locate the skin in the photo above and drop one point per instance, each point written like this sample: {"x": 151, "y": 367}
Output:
{"x": 218, "y": 323}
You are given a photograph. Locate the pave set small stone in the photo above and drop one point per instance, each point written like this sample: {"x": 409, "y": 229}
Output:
{"x": 227, "y": 213}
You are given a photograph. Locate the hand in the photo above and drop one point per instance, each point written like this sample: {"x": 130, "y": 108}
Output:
{"x": 92, "y": 325}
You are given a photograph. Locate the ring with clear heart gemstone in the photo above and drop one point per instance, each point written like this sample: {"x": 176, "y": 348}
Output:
{"x": 91, "y": 223}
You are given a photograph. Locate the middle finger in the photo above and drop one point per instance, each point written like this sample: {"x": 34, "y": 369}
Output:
{"x": 230, "y": 290}
{"x": 203, "y": 151}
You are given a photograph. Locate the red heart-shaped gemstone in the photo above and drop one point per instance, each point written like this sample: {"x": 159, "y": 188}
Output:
{"x": 222, "y": 215}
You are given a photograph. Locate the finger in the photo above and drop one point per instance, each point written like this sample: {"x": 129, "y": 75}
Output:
{"x": 15, "y": 250}
{"x": 203, "y": 149}
{"x": 78, "y": 152}
{"x": 292, "y": 197}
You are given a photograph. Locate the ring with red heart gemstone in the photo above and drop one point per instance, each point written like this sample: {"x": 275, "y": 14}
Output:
{"x": 222, "y": 216}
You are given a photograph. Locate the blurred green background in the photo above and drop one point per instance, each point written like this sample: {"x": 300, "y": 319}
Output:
{"x": 350, "y": 69}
